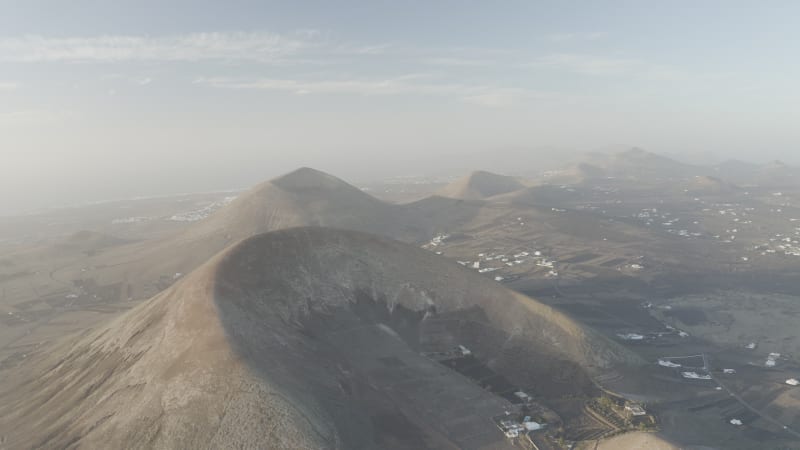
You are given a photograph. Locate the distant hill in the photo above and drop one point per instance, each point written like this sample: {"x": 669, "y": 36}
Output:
{"x": 708, "y": 185}
{"x": 633, "y": 165}
{"x": 290, "y": 340}
{"x": 308, "y": 197}
{"x": 641, "y": 164}
{"x": 480, "y": 185}
{"x": 735, "y": 171}
{"x": 777, "y": 174}
{"x": 304, "y": 197}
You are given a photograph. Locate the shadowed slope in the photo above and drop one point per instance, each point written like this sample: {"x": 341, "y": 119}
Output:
{"x": 265, "y": 345}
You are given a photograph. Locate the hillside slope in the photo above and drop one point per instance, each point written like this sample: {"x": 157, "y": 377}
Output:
{"x": 480, "y": 185}
{"x": 299, "y": 338}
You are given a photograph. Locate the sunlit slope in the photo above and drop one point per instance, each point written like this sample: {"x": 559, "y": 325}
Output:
{"x": 480, "y": 185}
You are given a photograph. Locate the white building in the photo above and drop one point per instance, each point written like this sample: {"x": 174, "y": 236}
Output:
{"x": 630, "y": 336}
{"x": 531, "y": 425}
{"x": 636, "y": 410}
{"x": 665, "y": 363}
{"x": 695, "y": 376}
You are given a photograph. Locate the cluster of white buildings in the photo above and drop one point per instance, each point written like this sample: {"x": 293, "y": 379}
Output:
{"x": 513, "y": 429}
{"x": 202, "y": 213}
{"x": 781, "y": 244}
{"x": 130, "y": 220}
{"x": 652, "y": 217}
{"x": 491, "y": 262}
{"x": 436, "y": 241}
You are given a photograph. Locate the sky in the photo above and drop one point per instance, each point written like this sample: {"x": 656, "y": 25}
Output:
{"x": 115, "y": 99}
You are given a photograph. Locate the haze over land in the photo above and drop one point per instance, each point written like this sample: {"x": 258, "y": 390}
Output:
{"x": 633, "y": 261}
{"x": 399, "y": 225}
{"x": 96, "y": 99}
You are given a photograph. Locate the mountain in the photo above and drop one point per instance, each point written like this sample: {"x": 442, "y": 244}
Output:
{"x": 633, "y": 165}
{"x": 480, "y": 185}
{"x": 708, "y": 185}
{"x": 735, "y": 170}
{"x": 640, "y": 164}
{"x": 304, "y": 197}
{"x": 301, "y": 338}
{"x": 777, "y": 174}
{"x": 308, "y": 197}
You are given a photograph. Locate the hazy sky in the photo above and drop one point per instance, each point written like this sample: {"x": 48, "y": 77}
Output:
{"x": 103, "y": 99}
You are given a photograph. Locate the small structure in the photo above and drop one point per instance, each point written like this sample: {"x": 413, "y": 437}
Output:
{"x": 522, "y": 396}
{"x": 667, "y": 363}
{"x": 630, "y": 336}
{"x": 635, "y": 409}
{"x": 531, "y": 425}
{"x": 695, "y": 376}
{"x": 511, "y": 428}
{"x": 792, "y": 382}
{"x": 772, "y": 359}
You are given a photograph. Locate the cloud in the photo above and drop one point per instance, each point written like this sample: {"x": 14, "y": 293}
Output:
{"x": 36, "y": 117}
{"x": 458, "y": 62}
{"x": 566, "y": 37}
{"x": 413, "y": 84}
{"x": 249, "y": 46}
{"x": 606, "y": 66}
{"x": 586, "y": 64}
{"x": 8, "y": 86}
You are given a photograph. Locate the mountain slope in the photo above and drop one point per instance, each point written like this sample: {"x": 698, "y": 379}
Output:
{"x": 707, "y": 185}
{"x": 633, "y": 165}
{"x": 299, "y": 338}
{"x": 480, "y": 185}
{"x": 305, "y": 197}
